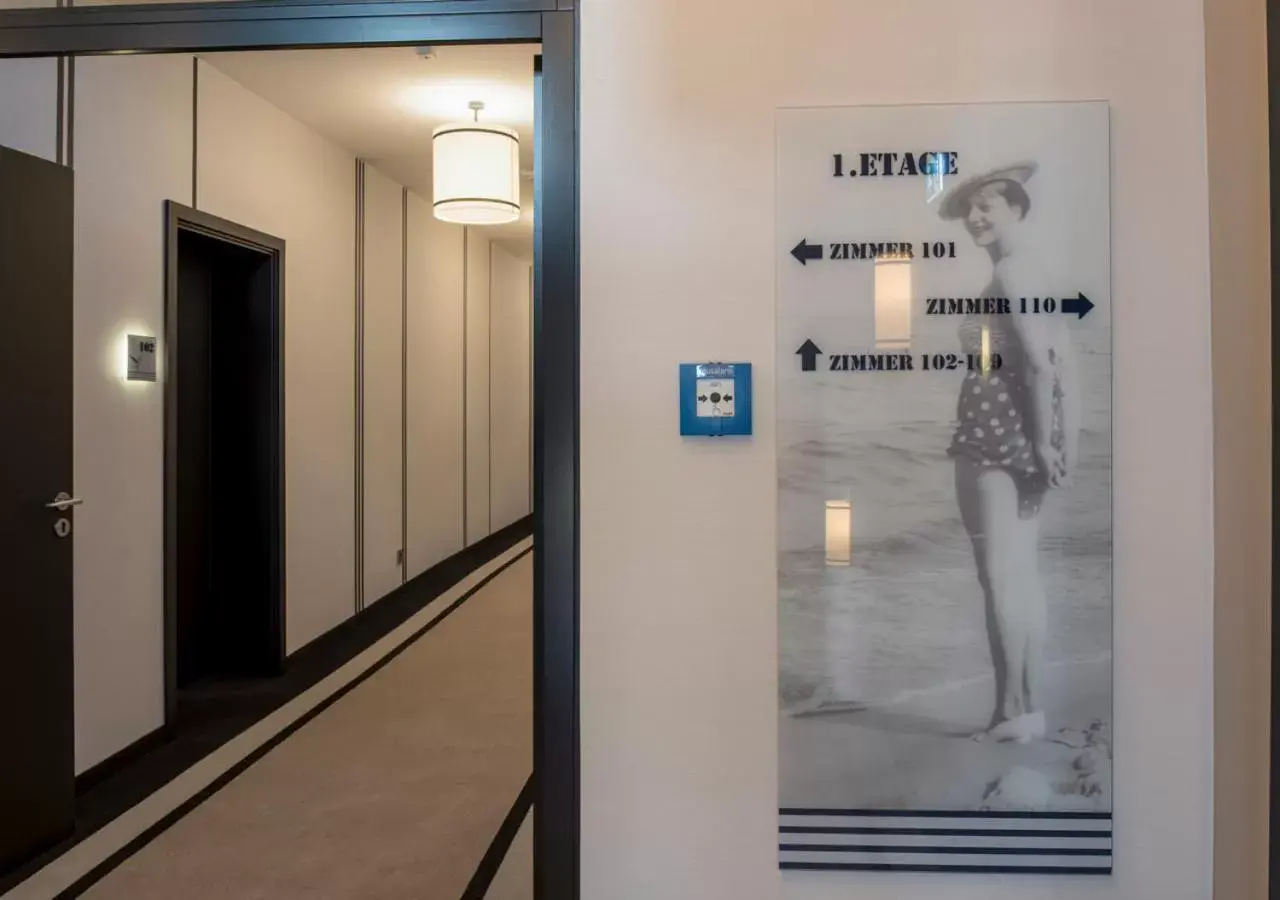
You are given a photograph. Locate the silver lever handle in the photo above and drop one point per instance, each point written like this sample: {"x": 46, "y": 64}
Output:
{"x": 63, "y": 502}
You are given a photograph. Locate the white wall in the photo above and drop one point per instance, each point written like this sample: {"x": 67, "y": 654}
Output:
{"x": 435, "y": 388}
{"x": 383, "y": 414}
{"x": 130, "y": 158}
{"x": 679, "y": 621}
{"x": 509, "y": 367}
{"x": 29, "y": 106}
{"x": 265, "y": 170}
{"x": 478, "y": 343}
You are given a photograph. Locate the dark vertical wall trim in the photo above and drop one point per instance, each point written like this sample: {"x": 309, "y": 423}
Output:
{"x": 466, "y": 375}
{"x": 195, "y": 132}
{"x": 60, "y": 135}
{"x": 533, "y": 351}
{"x": 359, "y": 389}
{"x": 557, "y": 817}
{"x": 404, "y": 385}
{"x": 489, "y": 411}
{"x": 66, "y": 102}
{"x": 71, "y": 112}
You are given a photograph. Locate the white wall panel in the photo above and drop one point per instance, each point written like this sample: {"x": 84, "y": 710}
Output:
{"x": 509, "y": 368}
{"x": 478, "y": 518}
{"x": 133, "y": 152}
{"x": 29, "y": 106}
{"x": 435, "y": 380}
{"x": 29, "y": 98}
{"x": 679, "y": 799}
{"x": 263, "y": 169}
{"x": 383, "y": 332}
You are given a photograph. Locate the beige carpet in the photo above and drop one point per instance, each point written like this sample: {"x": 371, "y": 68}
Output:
{"x": 514, "y": 879}
{"x": 393, "y": 793}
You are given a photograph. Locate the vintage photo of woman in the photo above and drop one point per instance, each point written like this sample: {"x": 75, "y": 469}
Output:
{"x": 945, "y": 534}
{"x": 1016, "y": 440}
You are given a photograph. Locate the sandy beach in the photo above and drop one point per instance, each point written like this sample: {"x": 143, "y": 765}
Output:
{"x": 918, "y": 753}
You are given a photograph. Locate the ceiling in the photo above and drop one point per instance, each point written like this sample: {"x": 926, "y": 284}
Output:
{"x": 383, "y": 103}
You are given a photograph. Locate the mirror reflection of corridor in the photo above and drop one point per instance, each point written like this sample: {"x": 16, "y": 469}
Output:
{"x": 303, "y": 586}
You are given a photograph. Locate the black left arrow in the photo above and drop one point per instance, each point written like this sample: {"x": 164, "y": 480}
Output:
{"x": 808, "y": 354}
{"x": 804, "y": 251}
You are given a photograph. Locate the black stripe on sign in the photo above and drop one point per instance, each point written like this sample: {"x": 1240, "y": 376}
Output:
{"x": 1023, "y": 836}
{"x": 941, "y": 814}
{"x": 947, "y": 832}
{"x": 976, "y": 851}
{"x": 962, "y": 870}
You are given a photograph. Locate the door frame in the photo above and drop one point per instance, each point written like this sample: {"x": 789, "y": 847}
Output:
{"x": 298, "y": 24}
{"x": 179, "y": 219}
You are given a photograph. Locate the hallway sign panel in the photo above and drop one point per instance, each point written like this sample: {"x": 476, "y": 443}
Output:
{"x": 944, "y": 488}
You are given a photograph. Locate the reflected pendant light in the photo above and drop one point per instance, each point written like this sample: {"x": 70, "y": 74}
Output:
{"x": 476, "y": 172}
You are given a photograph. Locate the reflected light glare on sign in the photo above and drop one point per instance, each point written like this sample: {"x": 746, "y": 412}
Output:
{"x": 934, "y": 185}
{"x": 839, "y": 533}
{"x": 985, "y": 360}
{"x": 893, "y": 303}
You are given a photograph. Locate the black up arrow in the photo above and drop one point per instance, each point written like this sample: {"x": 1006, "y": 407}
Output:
{"x": 804, "y": 251}
{"x": 1078, "y": 306}
{"x": 809, "y": 354}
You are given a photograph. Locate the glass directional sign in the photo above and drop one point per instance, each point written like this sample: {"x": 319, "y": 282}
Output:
{"x": 944, "y": 488}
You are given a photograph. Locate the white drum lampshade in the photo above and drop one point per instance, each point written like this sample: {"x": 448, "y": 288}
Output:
{"x": 476, "y": 174}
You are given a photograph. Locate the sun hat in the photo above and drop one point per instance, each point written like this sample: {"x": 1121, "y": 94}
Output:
{"x": 955, "y": 205}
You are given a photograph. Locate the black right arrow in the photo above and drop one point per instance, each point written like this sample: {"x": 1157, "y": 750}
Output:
{"x": 804, "y": 251}
{"x": 809, "y": 354}
{"x": 1077, "y": 306}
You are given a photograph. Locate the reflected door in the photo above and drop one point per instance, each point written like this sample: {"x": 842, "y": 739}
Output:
{"x": 37, "y": 506}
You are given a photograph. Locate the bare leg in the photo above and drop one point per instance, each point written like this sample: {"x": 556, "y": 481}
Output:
{"x": 1006, "y": 550}
{"x": 998, "y": 508}
{"x": 988, "y": 502}
{"x": 998, "y": 661}
{"x": 1027, "y": 609}
{"x": 1037, "y": 614}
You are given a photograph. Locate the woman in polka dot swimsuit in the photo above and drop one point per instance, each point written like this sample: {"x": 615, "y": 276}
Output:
{"x": 1015, "y": 440}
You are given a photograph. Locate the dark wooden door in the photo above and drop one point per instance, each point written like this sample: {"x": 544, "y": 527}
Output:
{"x": 37, "y": 753}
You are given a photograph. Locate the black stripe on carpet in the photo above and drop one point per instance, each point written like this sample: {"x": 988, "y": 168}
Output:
{"x": 497, "y": 852}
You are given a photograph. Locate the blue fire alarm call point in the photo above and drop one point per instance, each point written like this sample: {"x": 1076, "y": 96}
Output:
{"x": 715, "y": 399}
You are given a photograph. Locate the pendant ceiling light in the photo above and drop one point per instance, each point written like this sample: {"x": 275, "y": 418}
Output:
{"x": 476, "y": 172}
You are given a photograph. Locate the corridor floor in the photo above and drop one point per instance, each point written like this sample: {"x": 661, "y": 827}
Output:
{"x": 393, "y": 793}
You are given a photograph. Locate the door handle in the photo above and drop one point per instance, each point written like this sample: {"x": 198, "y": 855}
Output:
{"x": 63, "y": 502}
